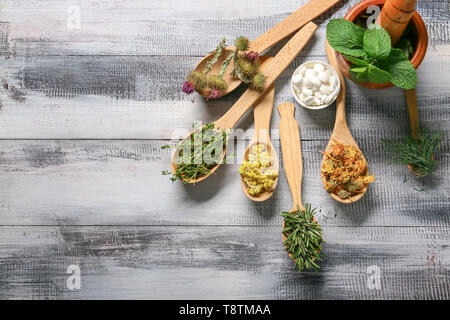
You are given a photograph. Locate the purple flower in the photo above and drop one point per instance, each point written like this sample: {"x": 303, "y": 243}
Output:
{"x": 214, "y": 94}
{"x": 252, "y": 55}
{"x": 188, "y": 87}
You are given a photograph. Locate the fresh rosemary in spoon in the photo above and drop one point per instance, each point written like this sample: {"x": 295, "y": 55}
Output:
{"x": 304, "y": 237}
{"x": 417, "y": 152}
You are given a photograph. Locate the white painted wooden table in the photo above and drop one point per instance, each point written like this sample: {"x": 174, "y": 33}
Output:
{"x": 84, "y": 113}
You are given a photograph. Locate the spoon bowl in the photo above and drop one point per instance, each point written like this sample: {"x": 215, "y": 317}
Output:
{"x": 341, "y": 132}
{"x": 263, "y": 196}
{"x": 231, "y": 81}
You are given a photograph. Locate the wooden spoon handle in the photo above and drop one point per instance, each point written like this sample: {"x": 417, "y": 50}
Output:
{"x": 340, "y": 101}
{"x": 292, "y": 151}
{"x": 272, "y": 71}
{"x": 411, "y": 101}
{"x": 262, "y": 114}
{"x": 292, "y": 23}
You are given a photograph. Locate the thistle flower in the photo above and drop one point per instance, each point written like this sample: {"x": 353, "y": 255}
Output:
{"x": 252, "y": 55}
{"x": 216, "y": 82}
{"x": 247, "y": 66}
{"x": 188, "y": 87}
{"x": 198, "y": 79}
{"x": 214, "y": 94}
{"x": 242, "y": 43}
{"x": 259, "y": 81}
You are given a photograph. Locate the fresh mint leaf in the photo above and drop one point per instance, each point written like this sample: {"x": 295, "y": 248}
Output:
{"x": 345, "y": 37}
{"x": 356, "y": 61}
{"x": 402, "y": 70}
{"x": 377, "y": 43}
{"x": 359, "y": 74}
{"x": 376, "y": 75}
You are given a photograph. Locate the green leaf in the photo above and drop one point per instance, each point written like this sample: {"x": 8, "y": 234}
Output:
{"x": 402, "y": 70}
{"x": 377, "y": 43}
{"x": 359, "y": 74}
{"x": 345, "y": 37}
{"x": 376, "y": 75}
{"x": 356, "y": 61}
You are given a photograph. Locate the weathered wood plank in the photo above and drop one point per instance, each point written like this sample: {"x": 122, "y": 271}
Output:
{"x": 140, "y": 97}
{"x": 155, "y": 28}
{"x": 120, "y": 182}
{"x": 225, "y": 262}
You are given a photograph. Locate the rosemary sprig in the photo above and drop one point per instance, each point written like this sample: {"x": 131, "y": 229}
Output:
{"x": 417, "y": 152}
{"x": 203, "y": 144}
{"x": 304, "y": 238}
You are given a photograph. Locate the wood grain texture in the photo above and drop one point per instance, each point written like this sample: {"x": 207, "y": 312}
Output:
{"x": 120, "y": 182}
{"x": 241, "y": 262}
{"x": 84, "y": 113}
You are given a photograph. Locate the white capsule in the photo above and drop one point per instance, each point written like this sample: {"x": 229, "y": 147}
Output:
{"x": 323, "y": 99}
{"x": 302, "y": 97}
{"x": 318, "y": 95}
{"x": 333, "y": 82}
{"x": 307, "y": 82}
{"x": 307, "y": 92}
{"x": 309, "y": 73}
{"x": 316, "y": 82}
{"x": 318, "y": 67}
{"x": 302, "y": 71}
{"x": 297, "y": 80}
{"x": 309, "y": 101}
{"x": 324, "y": 89}
{"x": 324, "y": 76}
{"x": 332, "y": 96}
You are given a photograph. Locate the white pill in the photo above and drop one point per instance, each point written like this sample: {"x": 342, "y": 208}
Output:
{"x": 315, "y": 81}
{"x": 297, "y": 80}
{"x": 307, "y": 92}
{"x": 324, "y": 76}
{"x": 307, "y": 82}
{"x": 333, "y": 82}
{"x": 324, "y": 89}
{"x": 323, "y": 98}
{"x": 302, "y": 97}
{"x": 309, "y": 73}
{"x": 329, "y": 99}
{"x": 309, "y": 101}
{"x": 318, "y": 95}
{"x": 318, "y": 67}
{"x": 302, "y": 71}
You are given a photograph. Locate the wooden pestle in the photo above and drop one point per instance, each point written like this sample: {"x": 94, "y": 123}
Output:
{"x": 395, "y": 16}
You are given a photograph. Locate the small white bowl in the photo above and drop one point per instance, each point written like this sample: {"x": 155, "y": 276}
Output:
{"x": 332, "y": 71}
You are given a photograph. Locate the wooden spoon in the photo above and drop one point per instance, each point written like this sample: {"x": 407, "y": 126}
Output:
{"x": 292, "y": 23}
{"x": 292, "y": 155}
{"x": 341, "y": 133}
{"x": 262, "y": 114}
{"x": 272, "y": 71}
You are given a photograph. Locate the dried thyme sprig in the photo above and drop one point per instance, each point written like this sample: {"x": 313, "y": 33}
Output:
{"x": 419, "y": 153}
{"x": 304, "y": 238}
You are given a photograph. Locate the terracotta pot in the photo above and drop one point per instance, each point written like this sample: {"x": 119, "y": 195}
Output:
{"x": 421, "y": 46}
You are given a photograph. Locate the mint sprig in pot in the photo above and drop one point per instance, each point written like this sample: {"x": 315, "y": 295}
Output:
{"x": 365, "y": 54}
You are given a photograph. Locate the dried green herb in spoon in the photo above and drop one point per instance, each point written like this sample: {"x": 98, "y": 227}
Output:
{"x": 417, "y": 152}
{"x": 304, "y": 237}
{"x": 199, "y": 153}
